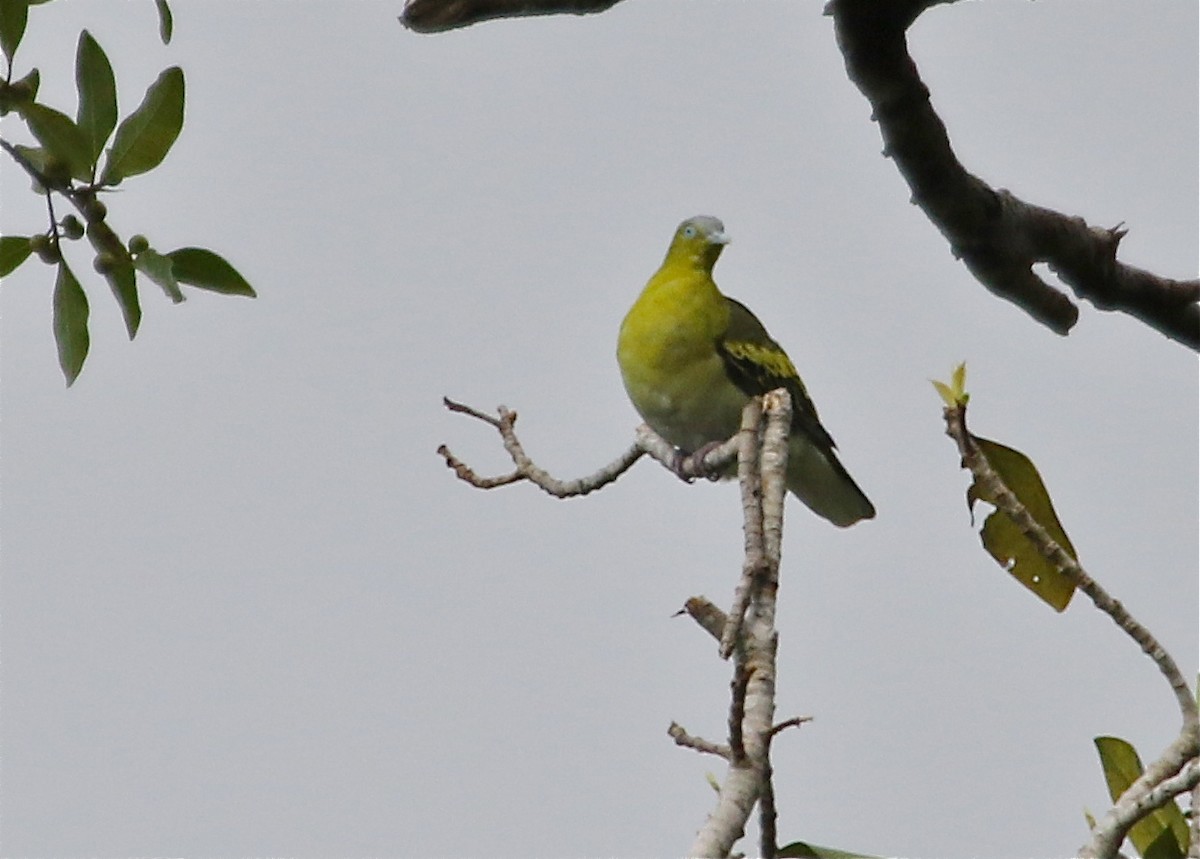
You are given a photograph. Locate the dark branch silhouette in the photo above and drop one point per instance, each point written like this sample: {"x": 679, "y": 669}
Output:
{"x": 998, "y": 236}
{"x": 437, "y": 16}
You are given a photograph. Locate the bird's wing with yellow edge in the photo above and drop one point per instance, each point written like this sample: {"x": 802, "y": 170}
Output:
{"x": 757, "y": 364}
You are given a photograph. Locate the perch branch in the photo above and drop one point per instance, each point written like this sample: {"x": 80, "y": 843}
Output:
{"x": 997, "y": 236}
{"x": 708, "y": 463}
{"x": 752, "y": 711}
{"x": 750, "y": 480}
{"x": 762, "y": 504}
{"x": 526, "y": 469}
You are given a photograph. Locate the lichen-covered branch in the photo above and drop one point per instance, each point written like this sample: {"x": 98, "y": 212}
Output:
{"x": 526, "y": 469}
{"x": 997, "y": 236}
{"x": 688, "y": 468}
{"x": 687, "y": 741}
{"x": 752, "y": 706}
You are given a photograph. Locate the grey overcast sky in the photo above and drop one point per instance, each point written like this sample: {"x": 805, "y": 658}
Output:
{"x": 245, "y": 610}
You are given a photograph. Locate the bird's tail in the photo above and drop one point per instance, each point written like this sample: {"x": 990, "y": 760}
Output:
{"x": 818, "y": 479}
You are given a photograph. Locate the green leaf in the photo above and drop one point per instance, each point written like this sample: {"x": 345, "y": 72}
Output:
{"x": 1004, "y": 540}
{"x": 38, "y": 159}
{"x": 954, "y": 394}
{"x": 70, "y": 323}
{"x": 1161, "y": 834}
{"x": 14, "y": 250}
{"x": 165, "y": 23}
{"x": 803, "y": 850}
{"x": 13, "y": 15}
{"x": 19, "y": 93}
{"x": 62, "y": 138}
{"x": 123, "y": 284}
{"x": 146, "y": 135}
{"x": 204, "y": 269}
{"x": 97, "y": 114}
{"x": 160, "y": 270}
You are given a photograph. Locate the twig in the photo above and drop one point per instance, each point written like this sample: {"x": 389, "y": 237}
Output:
{"x": 794, "y": 722}
{"x": 526, "y": 469}
{"x": 683, "y": 738}
{"x": 767, "y": 813}
{"x": 711, "y": 619}
{"x": 709, "y": 465}
{"x": 997, "y": 236}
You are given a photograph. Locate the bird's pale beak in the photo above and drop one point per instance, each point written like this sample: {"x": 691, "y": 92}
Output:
{"x": 721, "y": 238}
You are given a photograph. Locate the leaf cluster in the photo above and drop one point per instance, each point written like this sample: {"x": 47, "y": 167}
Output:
{"x": 77, "y": 160}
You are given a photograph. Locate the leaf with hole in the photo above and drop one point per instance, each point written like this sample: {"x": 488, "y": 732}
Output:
{"x": 1006, "y": 542}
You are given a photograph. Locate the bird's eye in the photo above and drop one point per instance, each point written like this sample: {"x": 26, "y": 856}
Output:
{"x": 690, "y": 232}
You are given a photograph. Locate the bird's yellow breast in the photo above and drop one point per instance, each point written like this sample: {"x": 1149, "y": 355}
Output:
{"x": 669, "y": 362}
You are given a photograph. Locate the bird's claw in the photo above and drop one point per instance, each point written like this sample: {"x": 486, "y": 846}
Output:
{"x": 689, "y": 466}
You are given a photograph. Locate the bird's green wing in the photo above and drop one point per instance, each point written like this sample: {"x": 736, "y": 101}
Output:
{"x": 757, "y": 364}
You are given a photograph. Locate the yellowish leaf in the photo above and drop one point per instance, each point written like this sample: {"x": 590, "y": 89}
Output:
{"x": 1161, "y": 834}
{"x": 1006, "y": 543}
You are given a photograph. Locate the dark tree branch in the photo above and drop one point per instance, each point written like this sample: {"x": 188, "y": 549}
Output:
{"x": 437, "y": 16}
{"x": 998, "y": 236}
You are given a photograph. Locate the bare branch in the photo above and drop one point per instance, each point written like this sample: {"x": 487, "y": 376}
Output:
{"x": 794, "y": 722}
{"x": 998, "y": 236}
{"x": 709, "y": 462}
{"x": 526, "y": 468}
{"x": 711, "y": 619}
{"x": 683, "y": 738}
{"x": 752, "y": 710}
{"x": 768, "y": 815}
{"x": 437, "y": 16}
{"x": 750, "y": 480}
